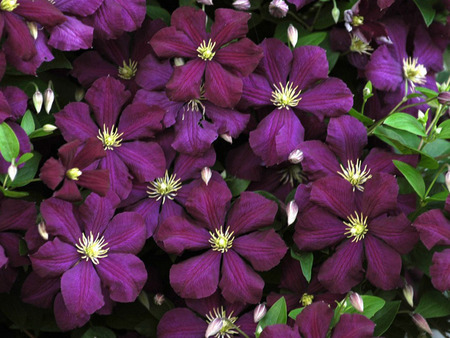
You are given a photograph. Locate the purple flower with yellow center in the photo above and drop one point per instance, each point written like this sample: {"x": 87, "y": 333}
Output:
{"x": 225, "y": 243}
{"x": 359, "y": 224}
{"x": 93, "y": 252}
{"x": 213, "y": 58}
{"x": 292, "y": 83}
{"x": 126, "y": 155}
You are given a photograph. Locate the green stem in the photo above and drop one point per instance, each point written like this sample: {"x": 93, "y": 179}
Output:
{"x": 379, "y": 122}
{"x": 436, "y": 118}
{"x": 419, "y": 103}
{"x": 434, "y": 180}
{"x": 240, "y": 331}
{"x": 300, "y": 21}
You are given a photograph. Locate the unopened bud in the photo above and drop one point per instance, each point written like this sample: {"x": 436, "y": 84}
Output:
{"x": 259, "y": 312}
{"x": 292, "y": 34}
{"x": 79, "y": 94}
{"x": 214, "y": 327}
{"x": 447, "y": 178}
{"x": 335, "y": 12}
{"x": 48, "y": 128}
{"x": 291, "y": 212}
{"x": 12, "y": 171}
{"x": 408, "y": 293}
{"x": 444, "y": 98}
{"x": 43, "y": 230}
{"x": 357, "y": 301}
{"x": 366, "y": 92}
{"x": 296, "y": 156}
{"x": 278, "y": 8}
{"x": 205, "y": 2}
{"x": 206, "y": 175}
{"x": 227, "y": 137}
{"x": 421, "y": 323}
{"x": 38, "y": 100}
{"x": 32, "y": 26}
{"x": 242, "y": 5}
{"x": 159, "y": 299}
{"x": 178, "y": 62}
{"x": 49, "y": 97}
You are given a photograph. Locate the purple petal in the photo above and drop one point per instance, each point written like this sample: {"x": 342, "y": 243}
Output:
{"x": 81, "y": 7}
{"x": 343, "y": 270}
{"x": 60, "y": 220}
{"x": 17, "y": 214}
{"x": 170, "y": 42}
{"x": 251, "y": 212}
{"x": 91, "y": 66}
{"x": 80, "y": 288}
{"x": 276, "y": 62}
{"x": 434, "y": 228}
{"x": 314, "y": 320}
{"x": 132, "y": 12}
{"x": 229, "y": 25}
{"x": 69, "y": 191}
{"x": 187, "y": 167}
{"x": 153, "y": 74}
{"x": 379, "y": 160}
{"x": 124, "y": 275}
{"x": 19, "y": 43}
{"x": 227, "y": 121}
{"x": 191, "y": 21}
{"x": 263, "y": 249}
{"x": 318, "y": 160}
{"x": 380, "y": 274}
{"x": 308, "y": 66}
{"x": 181, "y": 323}
{"x": 184, "y": 85}
{"x": 95, "y": 213}
{"x": 95, "y": 180}
{"x": 383, "y": 70}
{"x": 380, "y": 195}
{"x": 222, "y": 87}
{"x": 257, "y": 91}
{"x": 279, "y": 330}
{"x": 196, "y": 277}
{"x": 65, "y": 319}
{"x": 120, "y": 179}
{"x": 3, "y": 258}
{"x": 40, "y": 11}
{"x": 17, "y": 101}
{"x": 138, "y": 120}
{"x": 75, "y": 122}
{"x": 440, "y": 270}
{"x": 426, "y": 51}
{"x": 355, "y": 325}
{"x": 71, "y": 35}
{"x": 39, "y": 291}
{"x": 148, "y": 208}
{"x": 239, "y": 283}
{"x": 126, "y": 233}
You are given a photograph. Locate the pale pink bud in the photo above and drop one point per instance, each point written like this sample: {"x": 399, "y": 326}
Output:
{"x": 43, "y": 230}
{"x": 357, "y": 301}
{"x": 421, "y": 323}
{"x": 296, "y": 156}
{"x": 32, "y": 26}
{"x": 49, "y": 128}
{"x": 292, "y": 34}
{"x": 38, "y": 100}
{"x": 242, "y": 5}
{"x": 205, "y": 2}
{"x": 214, "y": 327}
{"x": 408, "y": 293}
{"x": 12, "y": 171}
{"x": 227, "y": 138}
{"x": 259, "y": 312}
{"x": 159, "y": 299}
{"x": 444, "y": 98}
{"x": 291, "y": 212}
{"x": 206, "y": 175}
{"x": 278, "y": 8}
{"x": 49, "y": 97}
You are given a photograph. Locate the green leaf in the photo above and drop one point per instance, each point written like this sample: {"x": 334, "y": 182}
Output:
{"x": 98, "y": 331}
{"x": 426, "y": 9}
{"x": 306, "y": 262}
{"x": 384, "y": 318}
{"x": 294, "y": 313}
{"x": 156, "y": 12}
{"x": 406, "y": 122}
{"x": 429, "y": 93}
{"x": 39, "y": 133}
{"x": 372, "y": 305}
{"x": 313, "y": 39}
{"x": 364, "y": 119}
{"x": 9, "y": 144}
{"x": 237, "y": 185}
{"x": 437, "y": 148}
{"x": 412, "y": 176}
{"x": 440, "y": 196}
{"x": 59, "y": 62}
{"x": 27, "y": 123}
{"x": 27, "y": 172}
{"x": 445, "y": 130}
{"x": 277, "y": 314}
{"x": 25, "y": 157}
{"x": 13, "y": 194}
{"x": 433, "y": 304}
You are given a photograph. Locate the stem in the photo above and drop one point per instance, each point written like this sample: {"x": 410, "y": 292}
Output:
{"x": 379, "y": 122}
{"x": 300, "y": 21}
{"x": 436, "y": 118}
{"x": 434, "y": 180}
{"x": 240, "y": 331}
{"x": 419, "y": 103}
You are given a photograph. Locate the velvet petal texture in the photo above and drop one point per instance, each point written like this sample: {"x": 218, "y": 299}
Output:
{"x": 314, "y": 320}
{"x": 181, "y": 323}
{"x": 440, "y": 270}
{"x": 434, "y": 228}
{"x": 355, "y": 325}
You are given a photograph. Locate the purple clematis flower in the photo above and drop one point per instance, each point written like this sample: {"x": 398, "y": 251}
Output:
{"x": 314, "y": 322}
{"x": 225, "y": 241}
{"x": 292, "y": 83}
{"x": 126, "y": 156}
{"x": 93, "y": 252}
{"x": 359, "y": 225}
{"x": 214, "y": 59}
{"x": 184, "y": 323}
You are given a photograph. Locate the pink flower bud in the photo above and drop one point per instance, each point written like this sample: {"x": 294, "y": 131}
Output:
{"x": 408, "y": 293}
{"x": 291, "y": 212}
{"x": 159, "y": 299}
{"x": 278, "y": 8}
{"x": 296, "y": 156}
{"x": 259, "y": 312}
{"x": 206, "y": 175}
{"x": 444, "y": 98}
{"x": 43, "y": 230}
{"x": 242, "y": 5}
{"x": 227, "y": 138}
{"x": 357, "y": 301}
{"x": 38, "y": 100}
{"x": 421, "y": 323}
{"x": 12, "y": 171}
{"x": 292, "y": 34}
{"x": 214, "y": 327}
{"x": 205, "y": 2}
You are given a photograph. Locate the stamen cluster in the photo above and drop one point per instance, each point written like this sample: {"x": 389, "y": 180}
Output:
{"x": 164, "y": 187}
{"x": 285, "y": 96}
{"x": 221, "y": 241}
{"x": 357, "y": 227}
{"x": 91, "y": 248}
{"x": 228, "y": 326}
{"x": 110, "y": 139}
{"x": 355, "y": 175}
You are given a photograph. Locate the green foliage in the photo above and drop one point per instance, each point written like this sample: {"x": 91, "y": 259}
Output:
{"x": 372, "y": 305}
{"x": 426, "y": 8}
{"x": 413, "y": 177}
{"x": 306, "y": 260}
{"x": 9, "y": 144}
{"x": 277, "y": 314}
{"x": 406, "y": 122}
{"x": 384, "y": 317}
{"x": 433, "y": 304}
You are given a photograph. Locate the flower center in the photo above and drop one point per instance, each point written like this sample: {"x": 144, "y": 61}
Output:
{"x": 110, "y": 139}
{"x": 8, "y": 5}
{"x": 414, "y": 72}
{"x": 357, "y": 20}
{"x": 228, "y": 327}
{"x": 356, "y": 227}
{"x": 163, "y": 187}
{"x": 221, "y": 241}
{"x": 73, "y": 174}
{"x": 205, "y": 51}
{"x": 291, "y": 175}
{"x": 354, "y": 175}
{"x": 128, "y": 71}
{"x": 91, "y": 248}
{"x": 306, "y": 299}
{"x": 360, "y": 46}
{"x": 285, "y": 96}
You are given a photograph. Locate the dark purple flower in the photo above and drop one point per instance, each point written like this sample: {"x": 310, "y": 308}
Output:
{"x": 292, "y": 83}
{"x": 126, "y": 155}
{"x": 73, "y": 167}
{"x": 225, "y": 242}
{"x": 93, "y": 253}
{"x": 359, "y": 225}
{"x": 299, "y": 3}
{"x": 214, "y": 59}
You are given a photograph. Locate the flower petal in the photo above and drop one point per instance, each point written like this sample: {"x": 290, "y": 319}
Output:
{"x": 318, "y": 160}
{"x": 222, "y": 87}
{"x": 65, "y": 319}
{"x": 256, "y": 92}
{"x": 39, "y": 291}
{"x": 119, "y": 176}
{"x": 186, "y": 80}
{"x": 96, "y": 213}
{"x": 181, "y": 323}
{"x": 279, "y": 330}
{"x": 60, "y": 220}
{"x": 139, "y": 120}
{"x": 75, "y": 122}
{"x": 315, "y": 320}
{"x": 309, "y": 65}
{"x": 71, "y": 35}
{"x": 126, "y": 233}
{"x": 228, "y": 25}
{"x": 380, "y": 195}
{"x": 440, "y": 270}
{"x": 170, "y": 42}
{"x": 354, "y": 325}
{"x": 434, "y": 228}
{"x": 383, "y": 70}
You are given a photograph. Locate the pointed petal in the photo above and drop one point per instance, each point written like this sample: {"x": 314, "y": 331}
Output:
{"x": 120, "y": 178}
{"x": 184, "y": 85}
{"x": 153, "y": 73}
{"x": 149, "y": 209}
{"x": 355, "y": 325}
{"x": 71, "y": 35}
{"x": 426, "y": 51}
{"x": 91, "y": 66}
{"x": 227, "y": 121}
{"x": 318, "y": 160}
{"x": 95, "y": 180}
{"x": 315, "y": 320}
{"x": 19, "y": 42}
{"x": 187, "y": 167}
{"x": 69, "y": 191}
{"x": 383, "y": 70}
{"x": 170, "y": 42}
{"x": 65, "y": 319}
{"x": 229, "y": 25}
{"x": 81, "y": 7}
{"x": 41, "y": 11}
{"x": 60, "y": 220}
{"x": 380, "y": 195}
{"x": 434, "y": 228}
{"x": 181, "y": 323}
{"x": 139, "y": 120}
{"x": 52, "y": 173}
{"x": 126, "y": 233}
{"x": 276, "y": 61}
{"x": 440, "y": 270}
{"x": 222, "y": 87}
{"x": 96, "y": 213}
{"x": 256, "y": 92}
{"x": 191, "y": 21}
{"x": 308, "y": 66}
{"x": 379, "y": 160}
{"x": 75, "y": 122}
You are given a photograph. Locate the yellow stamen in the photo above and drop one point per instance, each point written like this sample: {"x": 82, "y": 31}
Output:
{"x": 414, "y": 72}
{"x": 128, "y": 71}
{"x": 205, "y": 51}
{"x": 164, "y": 187}
{"x": 360, "y": 46}
{"x": 354, "y": 175}
{"x": 306, "y": 299}
{"x": 221, "y": 241}
{"x": 285, "y": 96}
{"x": 110, "y": 139}
{"x": 229, "y": 328}
{"x": 73, "y": 174}
{"x": 91, "y": 248}
{"x": 8, "y": 5}
{"x": 357, "y": 227}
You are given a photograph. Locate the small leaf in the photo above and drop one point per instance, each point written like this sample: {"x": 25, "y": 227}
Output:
{"x": 440, "y": 196}
{"x": 237, "y": 185}
{"x": 39, "y": 133}
{"x": 372, "y": 305}
{"x": 433, "y": 304}
{"x": 13, "y": 194}
{"x": 429, "y": 93}
{"x": 412, "y": 176}
{"x": 27, "y": 172}
{"x": 277, "y": 314}
{"x": 25, "y": 157}
{"x": 313, "y": 39}
{"x": 9, "y": 144}
{"x": 445, "y": 130}
{"x": 294, "y": 313}
{"x": 306, "y": 262}
{"x": 384, "y": 318}
{"x": 156, "y": 12}
{"x": 364, "y": 119}
{"x": 406, "y": 122}
{"x": 426, "y": 9}
{"x": 27, "y": 123}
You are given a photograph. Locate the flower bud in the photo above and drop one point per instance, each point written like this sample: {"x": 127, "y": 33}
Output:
{"x": 206, "y": 175}
{"x": 214, "y": 327}
{"x": 278, "y": 8}
{"x": 178, "y": 62}
{"x": 159, "y": 299}
{"x": 291, "y": 212}
{"x": 296, "y": 156}
{"x": 408, "y": 293}
{"x": 444, "y": 98}
{"x": 447, "y": 178}
{"x": 38, "y": 100}
{"x": 335, "y": 12}
{"x": 43, "y": 230}
{"x": 32, "y": 26}
{"x": 242, "y": 5}
{"x": 12, "y": 171}
{"x": 357, "y": 301}
{"x": 49, "y": 128}
{"x": 49, "y": 97}
{"x": 227, "y": 138}
{"x": 259, "y": 312}
{"x": 79, "y": 94}
{"x": 292, "y": 34}
{"x": 205, "y": 2}
{"x": 421, "y": 323}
